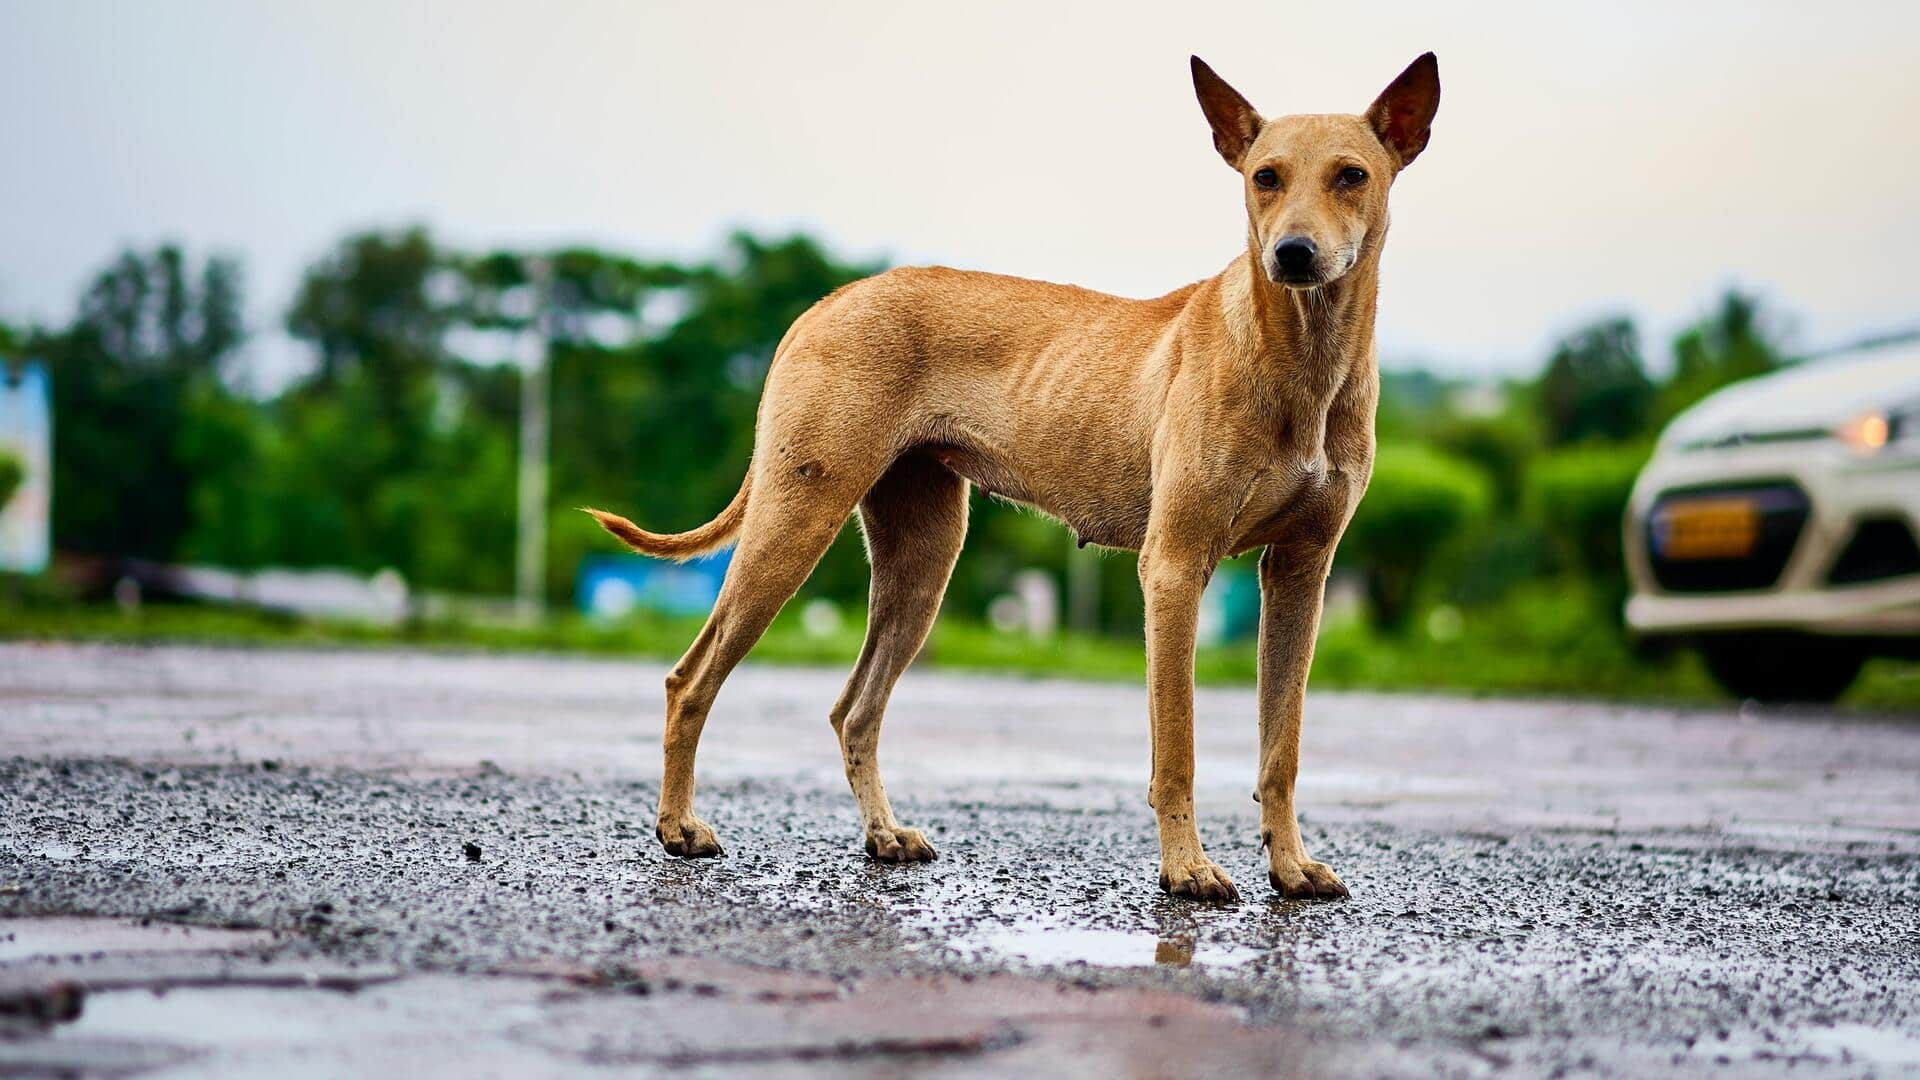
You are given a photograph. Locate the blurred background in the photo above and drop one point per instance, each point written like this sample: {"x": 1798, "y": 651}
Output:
{"x": 319, "y": 320}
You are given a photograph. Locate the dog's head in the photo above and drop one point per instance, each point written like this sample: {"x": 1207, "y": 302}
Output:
{"x": 1317, "y": 185}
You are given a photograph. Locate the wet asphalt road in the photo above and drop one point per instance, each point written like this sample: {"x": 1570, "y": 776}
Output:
{"x": 358, "y": 862}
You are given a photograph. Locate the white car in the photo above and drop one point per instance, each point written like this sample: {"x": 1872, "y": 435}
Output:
{"x": 1776, "y": 526}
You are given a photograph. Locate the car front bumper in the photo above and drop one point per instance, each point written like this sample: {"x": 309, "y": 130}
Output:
{"x": 1842, "y": 490}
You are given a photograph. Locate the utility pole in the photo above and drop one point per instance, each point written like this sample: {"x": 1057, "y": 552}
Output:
{"x": 530, "y": 550}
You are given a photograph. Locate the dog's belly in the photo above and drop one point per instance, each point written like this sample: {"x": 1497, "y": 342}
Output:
{"x": 1105, "y": 519}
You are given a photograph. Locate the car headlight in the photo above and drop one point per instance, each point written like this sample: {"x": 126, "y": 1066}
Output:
{"x": 1871, "y": 432}
{"x": 1866, "y": 433}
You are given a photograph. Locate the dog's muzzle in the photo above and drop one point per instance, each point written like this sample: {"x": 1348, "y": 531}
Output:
{"x": 1296, "y": 261}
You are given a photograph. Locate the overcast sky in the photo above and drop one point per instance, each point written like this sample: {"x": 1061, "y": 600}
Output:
{"x": 1629, "y": 157}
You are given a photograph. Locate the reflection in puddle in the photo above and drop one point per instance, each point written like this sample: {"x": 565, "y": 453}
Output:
{"x": 75, "y": 935}
{"x": 1858, "y": 1044}
{"x": 1042, "y": 942}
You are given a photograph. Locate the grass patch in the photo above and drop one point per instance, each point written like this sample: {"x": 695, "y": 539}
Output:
{"x": 1539, "y": 643}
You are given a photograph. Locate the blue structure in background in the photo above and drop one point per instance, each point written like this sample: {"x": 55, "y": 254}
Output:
{"x": 1230, "y": 608}
{"x": 612, "y": 586}
{"x": 26, "y": 435}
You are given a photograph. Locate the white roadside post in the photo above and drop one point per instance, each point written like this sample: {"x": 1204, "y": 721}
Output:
{"x": 1083, "y": 587}
{"x": 530, "y": 535}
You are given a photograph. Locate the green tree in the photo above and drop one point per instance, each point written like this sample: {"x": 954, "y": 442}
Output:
{"x": 399, "y": 449}
{"x": 1596, "y": 386}
{"x": 151, "y": 331}
{"x": 662, "y": 427}
{"x": 393, "y": 453}
{"x": 377, "y": 303}
{"x": 1737, "y": 340}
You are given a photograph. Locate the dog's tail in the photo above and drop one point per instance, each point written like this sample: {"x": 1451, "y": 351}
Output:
{"x": 680, "y": 547}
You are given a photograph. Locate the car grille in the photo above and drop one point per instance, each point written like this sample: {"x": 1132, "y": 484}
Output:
{"x": 1781, "y": 509}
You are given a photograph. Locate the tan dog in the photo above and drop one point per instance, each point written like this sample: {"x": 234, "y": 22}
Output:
{"x": 1227, "y": 415}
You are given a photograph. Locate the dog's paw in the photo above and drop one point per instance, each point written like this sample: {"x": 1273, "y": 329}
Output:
{"x": 1298, "y": 879}
{"x": 688, "y": 837}
{"x": 1199, "y": 879}
{"x": 899, "y": 844}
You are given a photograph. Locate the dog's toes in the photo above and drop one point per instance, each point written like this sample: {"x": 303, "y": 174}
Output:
{"x": 1326, "y": 883}
{"x": 914, "y": 846}
{"x": 1306, "y": 881}
{"x": 689, "y": 838}
{"x": 1199, "y": 881}
{"x": 899, "y": 845}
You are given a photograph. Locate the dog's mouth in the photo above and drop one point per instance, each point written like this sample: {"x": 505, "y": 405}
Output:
{"x": 1303, "y": 279}
{"x": 1295, "y": 279}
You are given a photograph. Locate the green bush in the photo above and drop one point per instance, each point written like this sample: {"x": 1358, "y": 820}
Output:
{"x": 1578, "y": 497}
{"x": 1419, "y": 502}
{"x": 1501, "y": 445}
{"x": 1492, "y": 559}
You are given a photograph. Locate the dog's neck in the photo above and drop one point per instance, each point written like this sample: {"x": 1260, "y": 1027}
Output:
{"x": 1302, "y": 342}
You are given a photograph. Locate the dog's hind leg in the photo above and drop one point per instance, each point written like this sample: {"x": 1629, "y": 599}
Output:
{"x": 915, "y": 520}
{"x": 791, "y": 517}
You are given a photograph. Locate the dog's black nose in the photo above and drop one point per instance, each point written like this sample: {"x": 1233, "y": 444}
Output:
{"x": 1294, "y": 256}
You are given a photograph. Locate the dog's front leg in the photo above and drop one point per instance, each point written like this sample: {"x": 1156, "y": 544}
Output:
{"x": 1172, "y": 581}
{"x": 1293, "y": 578}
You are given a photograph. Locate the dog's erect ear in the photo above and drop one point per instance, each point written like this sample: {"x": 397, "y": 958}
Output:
{"x": 1234, "y": 122}
{"x": 1402, "y": 115}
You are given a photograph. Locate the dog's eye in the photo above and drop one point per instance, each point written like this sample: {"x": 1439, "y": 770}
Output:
{"x": 1266, "y": 179}
{"x": 1351, "y": 176}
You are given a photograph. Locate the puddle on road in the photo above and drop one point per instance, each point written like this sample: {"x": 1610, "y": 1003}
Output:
{"x": 263, "y": 1015}
{"x": 1042, "y": 942}
{"x": 63, "y": 935}
{"x": 1854, "y": 1045}
{"x": 1861, "y": 1043}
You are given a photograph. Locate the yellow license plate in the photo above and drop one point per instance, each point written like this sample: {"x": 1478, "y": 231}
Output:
{"x": 1723, "y": 528}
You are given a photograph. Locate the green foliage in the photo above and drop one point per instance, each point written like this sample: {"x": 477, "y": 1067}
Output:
{"x": 1004, "y": 539}
{"x": 1419, "y": 502}
{"x": 660, "y": 428}
{"x": 389, "y": 454}
{"x": 371, "y": 305}
{"x": 150, "y": 334}
{"x": 1595, "y": 385}
{"x": 395, "y": 451}
{"x": 230, "y": 454}
{"x": 1409, "y": 400}
{"x": 1579, "y": 498}
{"x": 1500, "y": 445}
{"x": 1492, "y": 558}
{"x": 1737, "y": 340}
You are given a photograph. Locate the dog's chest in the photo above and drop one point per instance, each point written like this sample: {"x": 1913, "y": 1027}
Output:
{"x": 1283, "y": 502}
